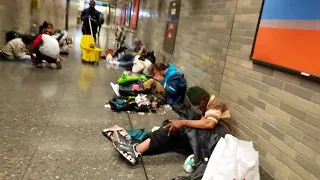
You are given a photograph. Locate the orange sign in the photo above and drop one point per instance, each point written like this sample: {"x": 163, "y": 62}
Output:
{"x": 135, "y": 14}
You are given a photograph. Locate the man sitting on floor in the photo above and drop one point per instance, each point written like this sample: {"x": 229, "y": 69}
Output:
{"x": 16, "y": 49}
{"x": 126, "y": 60}
{"x": 174, "y": 136}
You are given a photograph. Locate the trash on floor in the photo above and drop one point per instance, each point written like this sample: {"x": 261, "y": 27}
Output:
{"x": 155, "y": 128}
{"x": 110, "y": 132}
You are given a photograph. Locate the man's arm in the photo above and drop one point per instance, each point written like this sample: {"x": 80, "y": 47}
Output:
{"x": 203, "y": 123}
{"x": 143, "y": 48}
{"x": 199, "y": 124}
{"x": 97, "y": 17}
{"x": 83, "y": 15}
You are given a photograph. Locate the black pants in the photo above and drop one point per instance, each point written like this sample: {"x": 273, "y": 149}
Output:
{"x": 160, "y": 142}
{"x": 178, "y": 141}
{"x": 41, "y": 57}
{"x": 120, "y": 50}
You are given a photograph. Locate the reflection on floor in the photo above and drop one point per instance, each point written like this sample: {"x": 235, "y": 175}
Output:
{"x": 51, "y": 121}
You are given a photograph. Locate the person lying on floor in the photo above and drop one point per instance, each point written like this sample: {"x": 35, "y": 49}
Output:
{"x": 46, "y": 48}
{"x": 16, "y": 49}
{"x": 172, "y": 81}
{"x": 126, "y": 60}
{"x": 119, "y": 52}
{"x": 174, "y": 137}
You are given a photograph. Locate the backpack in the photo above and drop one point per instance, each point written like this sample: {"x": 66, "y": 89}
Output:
{"x": 12, "y": 35}
{"x": 122, "y": 104}
{"x": 132, "y": 89}
{"x": 127, "y": 104}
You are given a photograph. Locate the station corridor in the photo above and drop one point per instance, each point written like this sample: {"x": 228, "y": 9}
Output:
{"x": 256, "y": 56}
{"x": 51, "y": 122}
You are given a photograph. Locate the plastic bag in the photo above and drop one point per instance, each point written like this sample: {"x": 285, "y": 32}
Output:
{"x": 142, "y": 99}
{"x": 138, "y": 66}
{"x": 233, "y": 159}
{"x": 109, "y": 58}
{"x": 147, "y": 64}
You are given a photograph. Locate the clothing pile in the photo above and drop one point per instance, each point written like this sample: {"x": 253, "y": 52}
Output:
{"x": 137, "y": 92}
{"x": 65, "y": 42}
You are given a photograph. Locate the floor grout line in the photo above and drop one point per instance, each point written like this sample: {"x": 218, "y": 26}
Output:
{"x": 131, "y": 125}
{"x": 144, "y": 168}
{"x": 42, "y": 135}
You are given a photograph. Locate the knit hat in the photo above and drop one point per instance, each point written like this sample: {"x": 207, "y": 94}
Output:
{"x": 196, "y": 94}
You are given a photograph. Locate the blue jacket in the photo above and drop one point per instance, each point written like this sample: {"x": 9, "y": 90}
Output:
{"x": 94, "y": 15}
{"x": 174, "y": 84}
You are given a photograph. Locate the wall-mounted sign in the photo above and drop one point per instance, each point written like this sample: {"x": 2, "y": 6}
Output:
{"x": 103, "y": 4}
{"x": 172, "y": 26}
{"x": 135, "y": 14}
{"x": 288, "y": 36}
{"x": 173, "y": 11}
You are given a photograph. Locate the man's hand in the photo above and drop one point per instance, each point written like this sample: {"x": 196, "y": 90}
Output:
{"x": 93, "y": 20}
{"x": 174, "y": 126}
{"x": 134, "y": 53}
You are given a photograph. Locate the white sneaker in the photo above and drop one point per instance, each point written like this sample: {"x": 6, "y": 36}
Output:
{"x": 115, "y": 88}
{"x": 114, "y": 63}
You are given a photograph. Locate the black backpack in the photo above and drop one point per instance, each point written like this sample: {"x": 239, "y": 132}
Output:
{"x": 12, "y": 35}
{"x": 132, "y": 89}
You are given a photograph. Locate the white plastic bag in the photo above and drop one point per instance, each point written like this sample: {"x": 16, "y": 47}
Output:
{"x": 147, "y": 64}
{"x": 138, "y": 65}
{"x": 109, "y": 58}
{"x": 142, "y": 99}
{"x": 233, "y": 159}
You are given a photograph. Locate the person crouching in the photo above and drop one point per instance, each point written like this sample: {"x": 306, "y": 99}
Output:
{"x": 46, "y": 48}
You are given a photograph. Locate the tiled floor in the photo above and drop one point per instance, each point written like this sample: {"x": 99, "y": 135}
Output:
{"x": 51, "y": 121}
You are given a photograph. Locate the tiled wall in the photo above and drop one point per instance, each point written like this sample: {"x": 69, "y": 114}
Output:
{"x": 279, "y": 112}
{"x": 16, "y": 15}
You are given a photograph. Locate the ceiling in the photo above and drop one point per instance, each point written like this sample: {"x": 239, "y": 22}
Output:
{"x": 111, "y": 2}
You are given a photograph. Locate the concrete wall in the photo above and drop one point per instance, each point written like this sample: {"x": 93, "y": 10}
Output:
{"x": 16, "y": 15}
{"x": 279, "y": 112}
{"x": 73, "y": 13}
{"x": 53, "y": 11}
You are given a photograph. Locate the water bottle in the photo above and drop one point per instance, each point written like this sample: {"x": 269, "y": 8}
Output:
{"x": 188, "y": 164}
